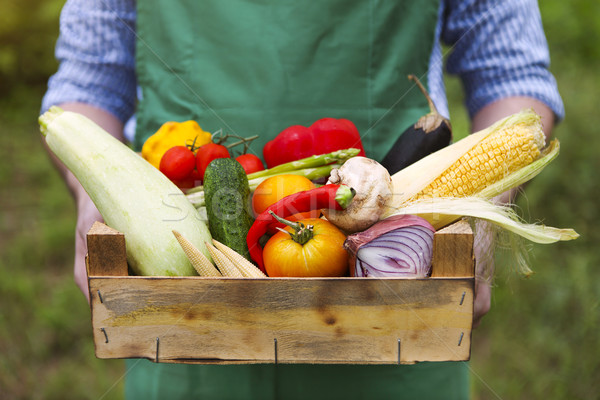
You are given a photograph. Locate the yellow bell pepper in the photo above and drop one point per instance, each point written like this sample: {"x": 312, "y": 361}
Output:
{"x": 173, "y": 134}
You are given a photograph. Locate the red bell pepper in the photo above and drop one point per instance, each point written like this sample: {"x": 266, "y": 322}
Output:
{"x": 323, "y": 136}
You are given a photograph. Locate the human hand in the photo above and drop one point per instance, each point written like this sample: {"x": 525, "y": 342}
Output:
{"x": 482, "y": 302}
{"x": 484, "y": 269}
{"x": 87, "y": 214}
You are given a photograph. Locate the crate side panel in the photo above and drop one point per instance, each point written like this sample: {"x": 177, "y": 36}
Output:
{"x": 351, "y": 320}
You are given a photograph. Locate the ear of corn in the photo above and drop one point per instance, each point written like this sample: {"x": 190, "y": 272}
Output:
{"x": 461, "y": 179}
{"x": 246, "y": 267}
{"x": 225, "y": 265}
{"x": 199, "y": 261}
{"x": 490, "y": 160}
{"x": 472, "y": 165}
{"x": 524, "y": 174}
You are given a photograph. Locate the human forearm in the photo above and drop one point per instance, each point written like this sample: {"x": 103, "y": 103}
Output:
{"x": 510, "y": 105}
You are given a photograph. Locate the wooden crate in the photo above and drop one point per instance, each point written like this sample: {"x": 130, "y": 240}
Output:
{"x": 283, "y": 320}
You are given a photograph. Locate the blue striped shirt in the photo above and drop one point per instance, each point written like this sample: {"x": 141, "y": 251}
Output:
{"x": 497, "y": 48}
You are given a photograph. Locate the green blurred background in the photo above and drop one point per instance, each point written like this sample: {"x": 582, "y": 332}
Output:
{"x": 540, "y": 339}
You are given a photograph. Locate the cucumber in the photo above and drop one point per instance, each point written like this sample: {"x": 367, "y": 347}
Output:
{"x": 227, "y": 198}
{"x": 132, "y": 196}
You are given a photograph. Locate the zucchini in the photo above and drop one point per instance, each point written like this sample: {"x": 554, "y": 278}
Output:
{"x": 227, "y": 198}
{"x": 132, "y": 196}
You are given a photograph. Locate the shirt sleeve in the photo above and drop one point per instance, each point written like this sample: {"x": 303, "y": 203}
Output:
{"x": 96, "y": 54}
{"x": 499, "y": 49}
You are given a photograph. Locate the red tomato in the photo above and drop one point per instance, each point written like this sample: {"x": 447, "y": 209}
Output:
{"x": 250, "y": 163}
{"x": 177, "y": 163}
{"x": 207, "y": 153}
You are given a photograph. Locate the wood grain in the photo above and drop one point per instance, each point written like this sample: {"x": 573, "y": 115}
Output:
{"x": 106, "y": 251}
{"x": 328, "y": 320}
{"x": 453, "y": 251}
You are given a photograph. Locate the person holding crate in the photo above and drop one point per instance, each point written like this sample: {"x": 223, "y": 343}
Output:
{"x": 256, "y": 67}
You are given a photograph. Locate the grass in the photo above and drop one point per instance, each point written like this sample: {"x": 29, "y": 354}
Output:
{"x": 540, "y": 340}
{"x": 45, "y": 329}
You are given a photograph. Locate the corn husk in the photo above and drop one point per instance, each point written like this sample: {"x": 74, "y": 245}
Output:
{"x": 441, "y": 211}
{"x": 437, "y": 209}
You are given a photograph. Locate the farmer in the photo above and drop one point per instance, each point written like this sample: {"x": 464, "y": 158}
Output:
{"x": 259, "y": 66}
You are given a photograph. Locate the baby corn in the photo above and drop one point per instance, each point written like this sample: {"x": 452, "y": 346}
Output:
{"x": 225, "y": 265}
{"x": 246, "y": 267}
{"x": 199, "y": 261}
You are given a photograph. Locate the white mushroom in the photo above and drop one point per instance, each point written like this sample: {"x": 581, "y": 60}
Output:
{"x": 373, "y": 186}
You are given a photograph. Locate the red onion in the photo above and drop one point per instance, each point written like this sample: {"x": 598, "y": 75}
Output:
{"x": 400, "y": 245}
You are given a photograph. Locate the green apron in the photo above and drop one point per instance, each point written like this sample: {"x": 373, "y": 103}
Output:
{"x": 256, "y": 67}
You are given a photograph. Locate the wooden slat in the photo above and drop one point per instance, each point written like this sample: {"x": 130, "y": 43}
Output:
{"x": 453, "y": 251}
{"x": 106, "y": 251}
{"x": 314, "y": 320}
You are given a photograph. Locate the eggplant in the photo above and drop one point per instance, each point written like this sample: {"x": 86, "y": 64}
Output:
{"x": 429, "y": 134}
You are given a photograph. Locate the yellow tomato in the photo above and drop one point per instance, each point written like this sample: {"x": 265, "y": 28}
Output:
{"x": 321, "y": 255}
{"x": 275, "y": 188}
